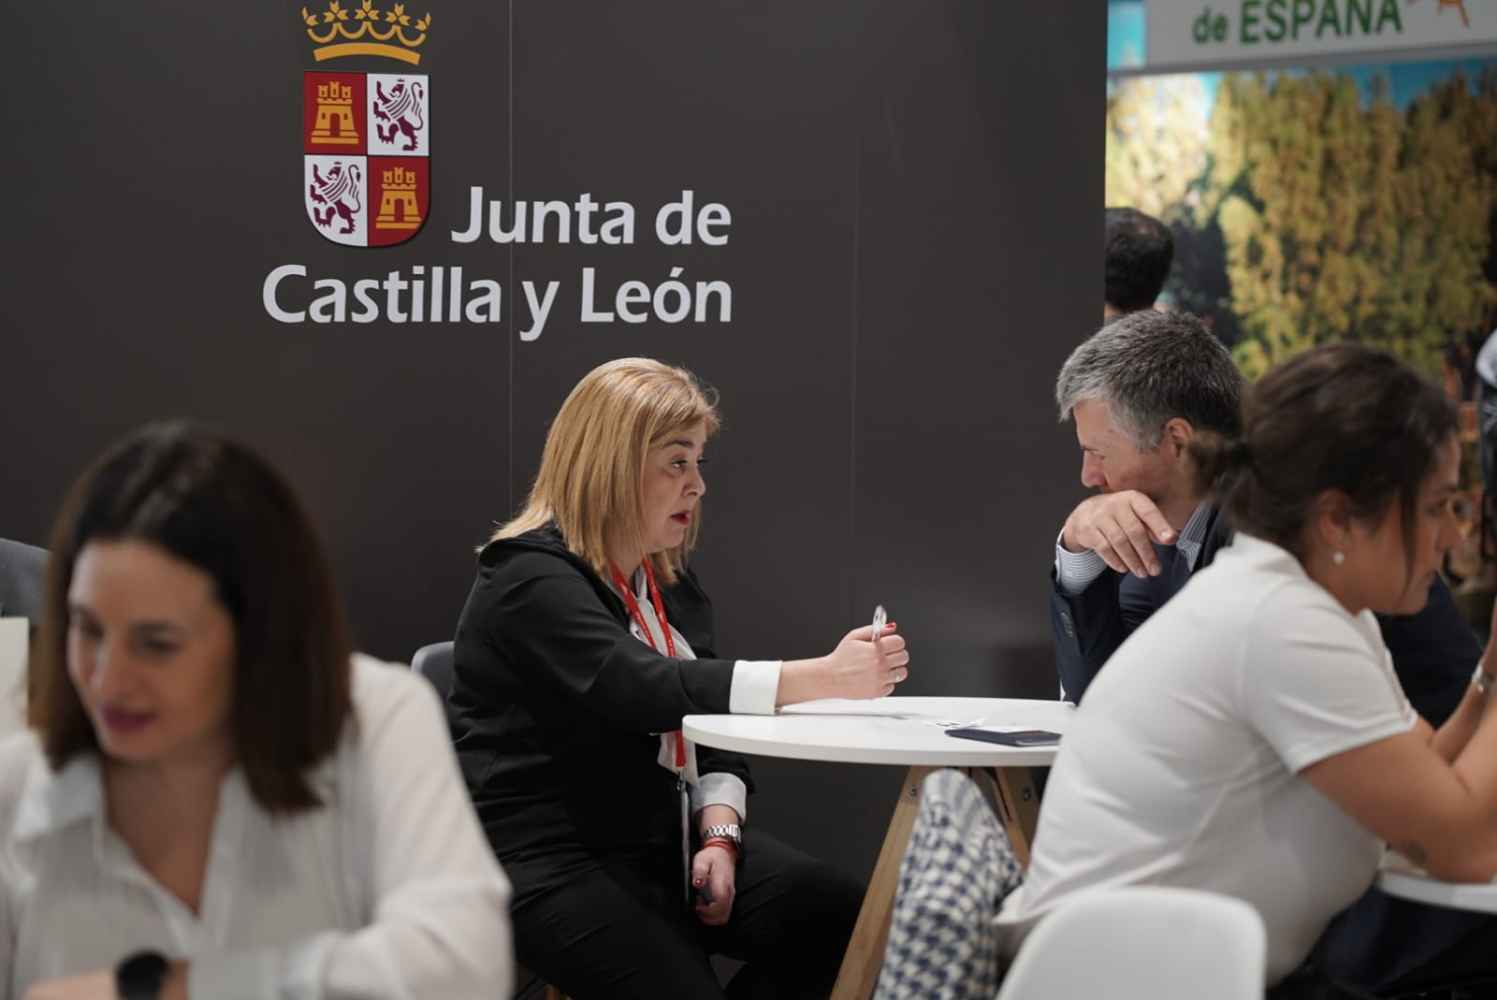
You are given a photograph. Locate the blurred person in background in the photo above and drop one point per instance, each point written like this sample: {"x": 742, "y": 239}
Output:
{"x": 1139, "y": 250}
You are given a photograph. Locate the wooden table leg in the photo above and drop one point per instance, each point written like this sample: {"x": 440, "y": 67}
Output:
{"x": 865, "y": 952}
{"x": 1018, "y": 806}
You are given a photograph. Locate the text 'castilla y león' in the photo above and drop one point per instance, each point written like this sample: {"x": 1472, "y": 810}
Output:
{"x": 450, "y": 293}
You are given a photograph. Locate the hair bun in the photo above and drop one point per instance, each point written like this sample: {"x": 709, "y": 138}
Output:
{"x": 1219, "y": 460}
{"x": 1236, "y": 454}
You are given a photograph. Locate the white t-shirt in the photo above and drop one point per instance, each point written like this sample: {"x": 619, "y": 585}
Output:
{"x": 1181, "y": 766}
{"x": 388, "y": 891}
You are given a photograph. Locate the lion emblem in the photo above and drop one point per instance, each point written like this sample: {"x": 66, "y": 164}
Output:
{"x": 338, "y": 192}
{"x": 398, "y": 112}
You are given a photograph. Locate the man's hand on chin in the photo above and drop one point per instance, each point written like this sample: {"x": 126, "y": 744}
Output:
{"x": 1121, "y": 528}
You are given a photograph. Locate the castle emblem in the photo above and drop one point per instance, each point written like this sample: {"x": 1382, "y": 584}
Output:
{"x": 366, "y": 137}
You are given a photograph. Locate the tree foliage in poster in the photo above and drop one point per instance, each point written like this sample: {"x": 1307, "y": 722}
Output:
{"x": 1156, "y": 145}
{"x": 1331, "y": 214}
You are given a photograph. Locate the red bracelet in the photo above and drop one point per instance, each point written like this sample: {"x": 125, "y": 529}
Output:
{"x": 722, "y": 842}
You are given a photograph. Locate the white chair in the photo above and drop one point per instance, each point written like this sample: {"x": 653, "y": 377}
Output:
{"x": 1142, "y": 943}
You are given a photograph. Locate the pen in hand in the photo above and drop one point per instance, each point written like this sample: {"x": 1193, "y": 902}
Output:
{"x": 895, "y": 673}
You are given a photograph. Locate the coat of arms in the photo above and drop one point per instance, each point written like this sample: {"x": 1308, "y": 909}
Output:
{"x": 366, "y": 137}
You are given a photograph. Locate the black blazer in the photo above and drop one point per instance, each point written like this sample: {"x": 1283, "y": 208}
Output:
{"x": 1434, "y": 652}
{"x": 554, "y": 704}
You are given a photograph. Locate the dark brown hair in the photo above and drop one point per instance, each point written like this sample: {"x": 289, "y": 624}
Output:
{"x": 1139, "y": 250}
{"x": 1339, "y": 417}
{"x": 217, "y": 505}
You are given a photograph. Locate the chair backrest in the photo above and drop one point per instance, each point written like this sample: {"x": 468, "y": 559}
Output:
{"x": 434, "y": 662}
{"x": 23, "y": 579}
{"x": 956, "y": 871}
{"x": 1140, "y": 942}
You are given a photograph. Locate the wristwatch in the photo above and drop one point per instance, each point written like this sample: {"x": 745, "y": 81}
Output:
{"x": 139, "y": 976}
{"x": 727, "y": 831}
{"x": 1482, "y": 679}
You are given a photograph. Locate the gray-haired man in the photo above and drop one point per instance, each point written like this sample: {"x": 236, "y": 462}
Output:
{"x": 1139, "y": 390}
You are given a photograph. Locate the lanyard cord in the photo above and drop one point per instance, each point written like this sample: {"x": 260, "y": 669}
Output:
{"x": 632, "y": 603}
{"x": 634, "y": 611}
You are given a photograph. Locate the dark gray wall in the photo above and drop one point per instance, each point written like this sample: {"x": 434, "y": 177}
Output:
{"x": 915, "y": 190}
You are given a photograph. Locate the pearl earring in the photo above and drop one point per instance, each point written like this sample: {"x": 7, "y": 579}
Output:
{"x": 1338, "y": 558}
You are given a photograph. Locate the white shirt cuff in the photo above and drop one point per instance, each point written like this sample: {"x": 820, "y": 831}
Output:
{"x": 755, "y": 685}
{"x": 1075, "y": 571}
{"x": 720, "y": 789}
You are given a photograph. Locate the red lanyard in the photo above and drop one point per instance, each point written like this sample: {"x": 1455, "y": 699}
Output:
{"x": 665, "y": 629}
{"x": 634, "y": 612}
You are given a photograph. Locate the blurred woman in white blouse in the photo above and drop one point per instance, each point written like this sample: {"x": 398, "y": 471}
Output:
{"x": 218, "y": 799}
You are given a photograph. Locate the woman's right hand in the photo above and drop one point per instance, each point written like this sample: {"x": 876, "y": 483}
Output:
{"x": 858, "y": 668}
{"x": 863, "y": 668}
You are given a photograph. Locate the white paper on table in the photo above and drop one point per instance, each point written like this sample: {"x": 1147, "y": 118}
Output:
{"x": 15, "y": 638}
{"x": 876, "y": 708}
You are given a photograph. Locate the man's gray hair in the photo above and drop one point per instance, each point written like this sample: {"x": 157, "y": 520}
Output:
{"x": 1150, "y": 367}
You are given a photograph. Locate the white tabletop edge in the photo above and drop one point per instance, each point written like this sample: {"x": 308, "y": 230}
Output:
{"x": 964, "y": 753}
{"x": 885, "y": 739}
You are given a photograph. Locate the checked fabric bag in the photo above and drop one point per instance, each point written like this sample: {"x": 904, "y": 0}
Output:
{"x": 956, "y": 872}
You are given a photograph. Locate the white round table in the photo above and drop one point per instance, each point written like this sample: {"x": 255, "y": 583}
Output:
{"x": 886, "y": 731}
{"x": 1399, "y": 877}
{"x": 907, "y": 732}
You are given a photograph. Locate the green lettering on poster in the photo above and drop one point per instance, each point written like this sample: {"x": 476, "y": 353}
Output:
{"x": 1389, "y": 12}
{"x": 1359, "y": 12}
{"x": 1304, "y": 13}
{"x": 1247, "y": 34}
{"x": 1329, "y": 16}
{"x": 1276, "y": 19}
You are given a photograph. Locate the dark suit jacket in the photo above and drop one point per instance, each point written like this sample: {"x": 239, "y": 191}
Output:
{"x": 23, "y": 574}
{"x": 1434, "y": 652}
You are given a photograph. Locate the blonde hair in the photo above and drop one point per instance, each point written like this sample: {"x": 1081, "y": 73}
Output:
{"x": 590, "y": 479}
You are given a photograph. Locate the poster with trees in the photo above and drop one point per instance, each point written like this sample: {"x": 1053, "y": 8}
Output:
{"x": 1310, "y": 207}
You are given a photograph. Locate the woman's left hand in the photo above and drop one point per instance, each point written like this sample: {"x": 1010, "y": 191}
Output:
{"x": 89, "y": 986}
{"x": 100, "y": 986}
{"x": 713, "y": 870}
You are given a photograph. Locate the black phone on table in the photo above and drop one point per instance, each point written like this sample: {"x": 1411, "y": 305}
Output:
{"x": 1011, "y": 738}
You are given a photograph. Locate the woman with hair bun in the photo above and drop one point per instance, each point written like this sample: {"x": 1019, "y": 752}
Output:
{"x": 585, "y": 640}
{"x": 1252, "y": 738}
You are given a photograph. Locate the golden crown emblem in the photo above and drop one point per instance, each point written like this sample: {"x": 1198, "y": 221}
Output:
{"x": 339, "y": 31}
